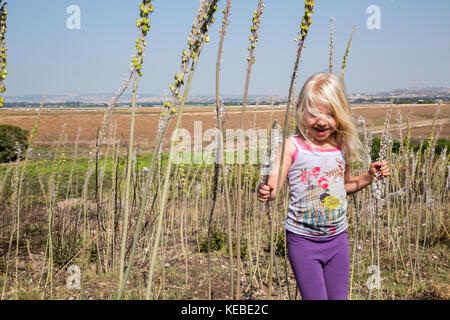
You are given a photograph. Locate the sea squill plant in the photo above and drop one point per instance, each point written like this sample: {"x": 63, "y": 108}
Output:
{"x": 3, "y": 50}
{"x": 293, "y": 124}
{"x": 14, "y": 204}
{"x": 196, "y": 39}
{"x": 257, "y": 15}
{"x": 3, "y": 183}
{"x": 304, "y": 28}
{"x": 12, "y": 208}
{"x": 69, "y": 184}
{"x": 332, "y": 21}
{"x": 275, "y": 139}
{"x": 200, "y": 33}
{"x": 143, "y": 25}
{"x": 219, "y": 158}
{"x": 429, "y": 155}
{"x": 347, "y": 51}
{"x": 379, "y": 185}
{"x": 101, "y": 134}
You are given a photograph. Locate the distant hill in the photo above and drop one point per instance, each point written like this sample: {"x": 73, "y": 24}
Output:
{"x": 408, "y": 95}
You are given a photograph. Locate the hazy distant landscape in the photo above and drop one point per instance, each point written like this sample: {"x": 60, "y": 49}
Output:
{"x": 410, "y": 95}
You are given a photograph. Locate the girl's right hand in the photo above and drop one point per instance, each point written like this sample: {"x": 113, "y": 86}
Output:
{"x": 264, "y": 192}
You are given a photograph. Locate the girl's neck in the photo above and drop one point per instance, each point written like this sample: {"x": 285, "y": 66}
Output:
{"x": 328, "y": 144}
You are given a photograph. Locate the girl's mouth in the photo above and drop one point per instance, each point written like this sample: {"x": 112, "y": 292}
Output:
{"x": 320, "y": 131}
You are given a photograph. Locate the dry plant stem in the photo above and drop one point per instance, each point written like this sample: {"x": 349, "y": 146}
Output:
{"x": 379, "y": 187}
{"x": 2, "y": 185}
{"x": 355, "y": 250}
{"x": 161, "y": 133}
{"x": 20, "y": 183}
{"x": 52, "y": 195}
{"x": 166, "y": 189}
{"x": 13, "y": 209}
{"x": 241, "y": 150}
{"x": 143, "y": 25}
{"x": 216, "y": 164}
{"x": 127, "y": 187}
{"x": 69, "y": 184}
{"x": 7, "y": 261}
{"x": 99, "y": 141}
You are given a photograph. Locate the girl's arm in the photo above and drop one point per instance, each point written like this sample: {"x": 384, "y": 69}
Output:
{"x": 354, "y": 184}
{"x": 268, "y": 191}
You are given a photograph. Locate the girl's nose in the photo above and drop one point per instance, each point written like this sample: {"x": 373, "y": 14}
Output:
{"x": 321, "y": 122}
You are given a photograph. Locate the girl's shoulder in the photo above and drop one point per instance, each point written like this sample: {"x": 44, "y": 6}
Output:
{"x": 290, "y": 146}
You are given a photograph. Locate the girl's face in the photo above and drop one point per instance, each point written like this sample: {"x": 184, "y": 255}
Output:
{"x": 321, "y": 128}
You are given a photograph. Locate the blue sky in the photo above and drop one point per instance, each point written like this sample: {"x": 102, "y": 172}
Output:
{"x": 412, "y": 48}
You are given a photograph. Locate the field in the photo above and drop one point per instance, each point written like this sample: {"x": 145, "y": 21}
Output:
{"x": 183, "y": 274}
{"x": 92, "y": 205}
{"x": 257, "y": 117}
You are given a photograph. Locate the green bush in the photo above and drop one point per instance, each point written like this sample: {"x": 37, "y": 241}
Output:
{"x": 280, "y": 245}
{"x": 9, "y": 137}
{"x": 216, "y": 243}
{"x": 415, "y": 145}
{"x": 63, "y": 252}
{"x": 219, "y": 242}
{"x": 243, "y": 253}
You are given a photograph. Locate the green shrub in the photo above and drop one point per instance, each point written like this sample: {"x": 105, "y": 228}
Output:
{"x": 415, "y": 145}
{"x": 9, "y": 137}
{"x": 243, "y": 252}
{"x": 219, "y": 241}
{"x": 441, "y": 144}
{"x": 280, "y": 245}
{"x": 216, "y": 243}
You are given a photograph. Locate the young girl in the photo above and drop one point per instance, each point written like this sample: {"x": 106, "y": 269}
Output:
{"x": 316, "y": 163}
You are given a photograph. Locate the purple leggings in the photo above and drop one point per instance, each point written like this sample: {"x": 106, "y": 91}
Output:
{"x": 321, "y": 265}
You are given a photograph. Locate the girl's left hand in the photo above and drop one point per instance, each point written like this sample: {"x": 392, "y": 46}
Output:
{"x": 379, "y": 166}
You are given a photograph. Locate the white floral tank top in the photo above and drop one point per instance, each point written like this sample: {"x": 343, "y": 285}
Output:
{"x": 318, "y": 200}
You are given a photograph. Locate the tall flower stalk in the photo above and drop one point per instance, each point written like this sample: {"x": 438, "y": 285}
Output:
{"x": 275, "y": 139}
{"x": 3, "y": 50}
{"x": 199, "y": 32}
{"x": 196, "y": 38}
{"x": 257, "y": 14}
{"x": 347, "y": 51}
{"x": 220, "y": 158}
{"x": 143, "y": 24}
{"x": 379, "y": 186}
{"x": 304, "y": 28}
{"x": 332, "y": 21}
{"x": 22, "y": 179}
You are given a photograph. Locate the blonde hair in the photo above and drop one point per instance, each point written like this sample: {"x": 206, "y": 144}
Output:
{"x": 329, "y": 89}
